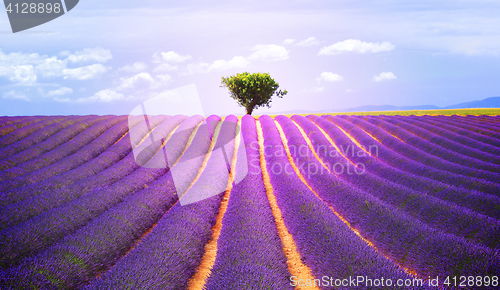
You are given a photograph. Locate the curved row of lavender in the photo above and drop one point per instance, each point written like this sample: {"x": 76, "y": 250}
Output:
{"x": 52, "y": 141}
{"x": 398, "y": 154}
{"x": 79, "y": 207}
{"x": 97, "y": 176}
{"x": 442, "y": 215}
{"x": 380, "y": 165}
{"x": 326, "y": 244}
{"x": 249, "y": 250}
{"x": 168, "y": 256}
{"x": 31, "y": 236}
{"x": 111, "y": 165}
{"x": 461, "y": 152}
{"x": 382, "y": 212}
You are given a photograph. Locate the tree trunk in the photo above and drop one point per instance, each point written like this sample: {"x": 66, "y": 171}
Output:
{"x": 251, "y": 106}
{"x": 249, "y": 110}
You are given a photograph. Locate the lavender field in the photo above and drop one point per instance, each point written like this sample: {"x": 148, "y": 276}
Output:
{"x": 178, "y": 202}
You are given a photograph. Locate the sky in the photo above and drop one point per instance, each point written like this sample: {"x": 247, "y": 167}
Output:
{"x": 111, "y": 57}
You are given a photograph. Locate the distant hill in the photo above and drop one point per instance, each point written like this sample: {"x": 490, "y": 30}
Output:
{"x": 493, "y": 102}
{"x": 370, "y": 108}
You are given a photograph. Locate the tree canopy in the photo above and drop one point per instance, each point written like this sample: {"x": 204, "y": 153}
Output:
{"x": 252, "y": 90}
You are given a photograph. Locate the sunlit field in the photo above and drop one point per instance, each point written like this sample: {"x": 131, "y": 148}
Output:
{"x": 281, "y": 202}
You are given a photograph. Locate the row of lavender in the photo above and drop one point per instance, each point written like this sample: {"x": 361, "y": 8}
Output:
{"x": 395, "y": 199}
{"x": 84, "y": 207}
{"x": 404, "y": 224}
{"x": 39, "y": 220}
{"x": 115, "y": 223}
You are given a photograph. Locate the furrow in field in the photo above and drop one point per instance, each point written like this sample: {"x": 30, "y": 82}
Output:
{"x": 6, "y": 121}
{"x": 167, "y": 180}
{"x": 97, "y": 137}
{"x": 418, "y": 154}
{"x": 20, "y": 122}
{"x": 54, "y": 141}
{"x": 20, "y": 211}
{"x": 94, "y": 248}
{"x": 111, "y": 158}
{"x": 326, "y": 138}
{"x": 114, "y": 163}
{"x": 445, "y": 145}
{"x": 444, "y": 216}
{"x": 443, "y": 128}
{"x": 488, "y": 131}
{"x": 39, "y": 232}
{"x": 349, "y": 256}
{"x": 214, "y": 132}
{"x": 250, "y": 253}
{"x": 483, "y": 135}
{"x": 40, "y": 136}
{"x": 165, "y": 185}
{"x": 26, "y": 131}
{"x": 298, "y": 172}
{"x": 203, "y": 271}
{"x": 392, "y": 151}
{"x": 402, "y": 238}
{"x": 169, "y": 255}
{"x": 488, "y": 125}
{"x": 295, "y": 265}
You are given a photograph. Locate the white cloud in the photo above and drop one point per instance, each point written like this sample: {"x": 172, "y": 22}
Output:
{"x": 19, "y": 67}
{"x": 12, "y": 95}
{"x": 60, "y": 92}
{"x": 356, "y": 45}
{"x": 85, "y": 72}
{"x": 218, "y": 65}
{"x": 235, "y": 62}
{"x": 139, "y": 81}
{"x": 19, "y": 58}
{"x": 26, "y": 68}
{"x": 330, "y": 77}
{"x": 23, "y": 74}
{"x": 51, "y": 67}
{"x": 135, "y": 67}
{"x": 269, "y": 52}
{"x": 91, "y": 54}
{"x": 309, "y": 42}
{"x": 104, "y": 96}
{"x": 288, "y": 41}
{"x": 165, "y": 67}
{"x": 171, "y": 56}
{"x": 383, "y": 76}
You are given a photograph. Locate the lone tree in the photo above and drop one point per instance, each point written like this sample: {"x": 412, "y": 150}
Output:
{"x": 252, "y": 90}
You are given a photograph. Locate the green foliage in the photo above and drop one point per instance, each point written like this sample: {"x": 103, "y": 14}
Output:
{"x": 252, "y": 90}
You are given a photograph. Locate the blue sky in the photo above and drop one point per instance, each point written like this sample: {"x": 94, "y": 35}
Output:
{"x": 108, "y": 57}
